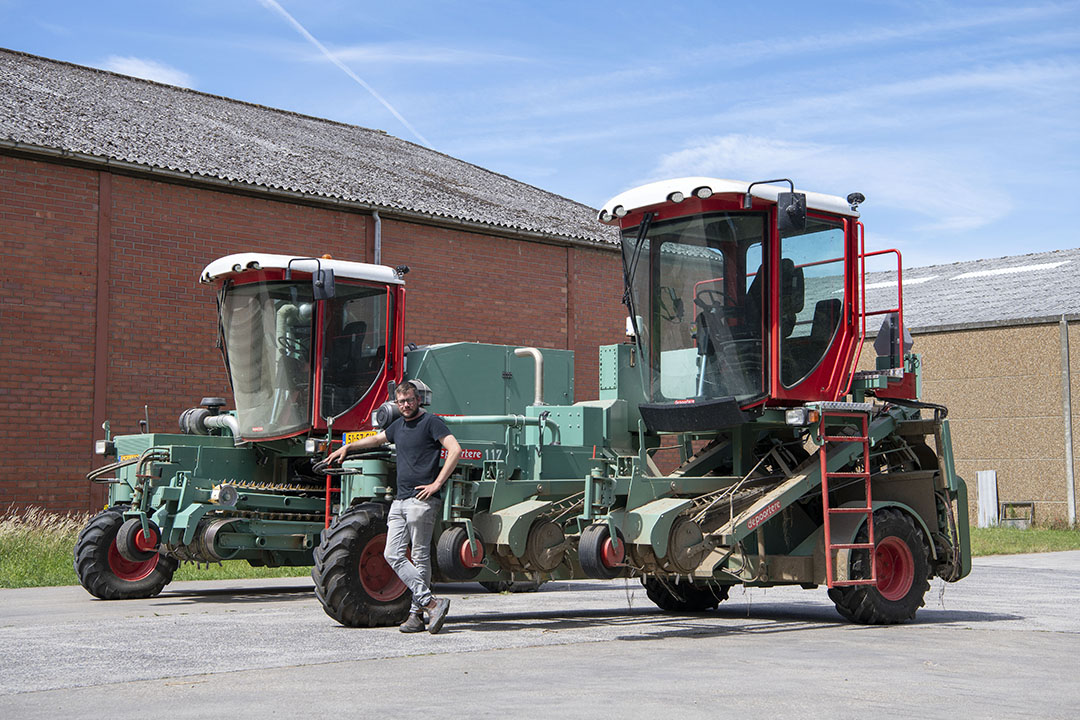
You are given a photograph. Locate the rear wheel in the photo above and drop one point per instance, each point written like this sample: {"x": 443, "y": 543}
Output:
{"x": 675, "y": 596}
{"x": 353, "y": 581}
{"x": 108, "y": 575}
{"x": 902, "y": 560}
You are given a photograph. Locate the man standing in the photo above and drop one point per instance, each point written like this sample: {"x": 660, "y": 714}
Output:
{"x": 418, "y": 437}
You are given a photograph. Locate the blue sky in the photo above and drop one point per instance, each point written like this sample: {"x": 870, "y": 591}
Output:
{"x": 959, "y": 121}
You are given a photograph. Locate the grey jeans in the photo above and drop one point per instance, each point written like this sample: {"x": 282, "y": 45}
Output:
{"x": 411, "y": 522}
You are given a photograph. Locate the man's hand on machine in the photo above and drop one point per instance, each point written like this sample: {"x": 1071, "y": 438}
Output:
{"x": 337, "y": 456}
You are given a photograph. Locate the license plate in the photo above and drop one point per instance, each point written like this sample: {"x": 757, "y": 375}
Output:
{"x": 355, "y": 435}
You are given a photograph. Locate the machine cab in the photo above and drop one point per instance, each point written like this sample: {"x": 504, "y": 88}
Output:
{"x": 733, "y": 305}
{"x": 307, "y": 340}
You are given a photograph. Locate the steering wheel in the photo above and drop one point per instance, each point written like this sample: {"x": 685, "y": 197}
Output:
{"x": 710, "y": 301}
{"x": 291, "y": 345}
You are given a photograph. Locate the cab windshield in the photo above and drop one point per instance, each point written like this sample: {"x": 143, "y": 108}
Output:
{"x": 267, "y": 329}
{"x": 697, "y": 290}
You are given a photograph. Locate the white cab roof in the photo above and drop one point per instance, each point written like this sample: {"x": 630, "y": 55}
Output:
{"x": 228, "y": 265}
{"x": 658, "y": 192}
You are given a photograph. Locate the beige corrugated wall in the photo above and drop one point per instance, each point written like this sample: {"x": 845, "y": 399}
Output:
{"x": 1003, "y": 388}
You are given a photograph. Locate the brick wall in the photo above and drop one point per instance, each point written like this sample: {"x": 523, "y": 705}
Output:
{"x": 48, "y": 249}
{"x": 160, "y": 352}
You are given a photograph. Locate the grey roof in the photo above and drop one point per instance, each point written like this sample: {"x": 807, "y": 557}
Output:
{"x": 1014, "y": 290}
{"x": 78, "y": 110}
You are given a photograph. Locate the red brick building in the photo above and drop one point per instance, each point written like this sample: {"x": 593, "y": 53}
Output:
{"x": 115, "y": 192}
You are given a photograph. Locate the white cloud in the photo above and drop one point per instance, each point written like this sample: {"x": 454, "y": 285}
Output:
{"x": 941, "y": 190}
{"x": 147, "y": 70}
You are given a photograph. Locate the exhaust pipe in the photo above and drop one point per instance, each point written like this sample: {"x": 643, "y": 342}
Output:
{"x": 538, "y": 379}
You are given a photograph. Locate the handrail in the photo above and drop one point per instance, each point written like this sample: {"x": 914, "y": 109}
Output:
{"x": 899, "y": 309}
{"x": 863, "y": 313}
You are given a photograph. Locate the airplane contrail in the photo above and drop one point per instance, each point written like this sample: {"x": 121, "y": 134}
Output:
{"x": 273, "y": 5}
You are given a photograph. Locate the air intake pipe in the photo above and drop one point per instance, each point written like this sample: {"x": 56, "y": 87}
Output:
{"x": 200, "y": 420}
{"x": 538, "y": 363}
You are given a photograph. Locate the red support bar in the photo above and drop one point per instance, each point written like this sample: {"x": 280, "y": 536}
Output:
{"x": 328, "y": 501}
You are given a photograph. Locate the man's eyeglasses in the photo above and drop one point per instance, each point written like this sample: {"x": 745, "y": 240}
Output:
{"x": 406, "y": 400}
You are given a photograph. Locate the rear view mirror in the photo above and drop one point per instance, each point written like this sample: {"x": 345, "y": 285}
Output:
{"x": 790, "y": 207}
{"x": 322, "y": 279}
{"x": 322, "y": 284}
{"x": 791, "y": 213}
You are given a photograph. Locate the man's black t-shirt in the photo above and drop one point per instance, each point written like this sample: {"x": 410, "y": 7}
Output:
{"x": 418, "y": 449}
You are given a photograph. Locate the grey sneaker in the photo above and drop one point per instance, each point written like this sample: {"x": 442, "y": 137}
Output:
{"x": 414, "y": 624}
{"x": 438, "y": 615}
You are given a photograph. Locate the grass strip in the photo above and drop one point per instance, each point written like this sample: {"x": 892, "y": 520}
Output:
{"x": 37, "y": 550}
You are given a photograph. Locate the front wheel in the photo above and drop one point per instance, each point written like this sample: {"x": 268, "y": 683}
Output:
{"x": 353, "y": 581}
{"x": 903, "y": 569}
{"x": 600, "y": 556}
{"x": 108, "y": 575}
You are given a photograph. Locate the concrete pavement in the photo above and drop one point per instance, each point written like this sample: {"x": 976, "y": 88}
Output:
{"x": 1001, "y": 643}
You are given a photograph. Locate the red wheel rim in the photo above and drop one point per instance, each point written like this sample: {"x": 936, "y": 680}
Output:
{"x": 468, "y": 559}
{"x": 895, "y": 568}
{"x": 610, "y": 555}
{"x": 126, "y": 569}
{"x": 144, "y": 543}
{"x": 378, "y": 578}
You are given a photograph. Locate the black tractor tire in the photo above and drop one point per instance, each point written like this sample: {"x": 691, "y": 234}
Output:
{"x": 595, "y": 553}
{"x": 448, "y": 552}
{"x": 511, "y": 586}
{"x": 903, "y": 569}
{"x": 674, "y": 596}
{"x": 104, "y": 572}
{"x": 352, "y": 579}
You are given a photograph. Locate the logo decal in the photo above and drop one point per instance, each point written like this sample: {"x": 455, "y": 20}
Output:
{"x": 465, "y": 454}
{"x": 770, "y": 510}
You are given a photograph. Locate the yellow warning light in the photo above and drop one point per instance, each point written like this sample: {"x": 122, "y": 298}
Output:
{"x": 327, "y": 256}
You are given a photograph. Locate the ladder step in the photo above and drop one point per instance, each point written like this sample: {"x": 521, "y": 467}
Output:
{"x": 845, "y": 438}
{"x": 848, "y": 474}
{"x": 853, "y": 510}
{"x": 851, "y": 546}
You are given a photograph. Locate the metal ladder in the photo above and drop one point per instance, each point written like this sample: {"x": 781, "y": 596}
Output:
{"x": 828, "y": 512}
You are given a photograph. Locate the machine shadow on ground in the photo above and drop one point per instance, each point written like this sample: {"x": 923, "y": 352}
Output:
{"x": 227, "y": 596}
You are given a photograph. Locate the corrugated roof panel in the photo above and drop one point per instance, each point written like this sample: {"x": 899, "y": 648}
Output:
{"x": 51, "y": 104}
{"x": 1017, "y": 288}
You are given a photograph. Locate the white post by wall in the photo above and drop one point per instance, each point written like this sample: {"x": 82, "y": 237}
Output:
{"x": 986, "y": 482}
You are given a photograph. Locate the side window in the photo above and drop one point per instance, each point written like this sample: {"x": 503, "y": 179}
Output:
{"x": 753, "y": 263}
{"x": 354, "y": 351}
{"x": 811, "y": 296}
